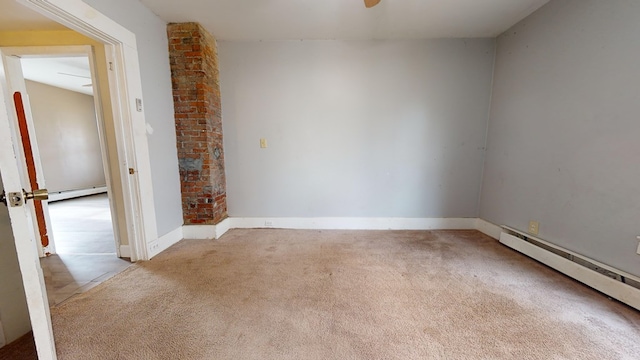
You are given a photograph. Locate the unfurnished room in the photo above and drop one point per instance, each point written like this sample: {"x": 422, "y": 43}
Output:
{"x": 335, "y": 179}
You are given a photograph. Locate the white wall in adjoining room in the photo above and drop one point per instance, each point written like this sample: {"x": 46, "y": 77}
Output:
{"x": 563, "y": 142}
{"x": 153, "y": 52}
{"x": 355, "y": 128}
{"x": 68, "y": 140}
{"x": 14, "y": 314}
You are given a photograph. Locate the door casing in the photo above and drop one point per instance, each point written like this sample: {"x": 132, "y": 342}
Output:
{"x": 131, "y": 130}
{"x": 63, "y": 51}
{"x": 132, "y": 153}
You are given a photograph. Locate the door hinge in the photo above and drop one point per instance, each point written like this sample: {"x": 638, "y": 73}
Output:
{"x": 132, "y": 171}
{"x": 138, "y": 105}
{"x": 110, "y": 65}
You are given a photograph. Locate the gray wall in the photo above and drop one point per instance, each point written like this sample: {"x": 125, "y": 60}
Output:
{"x": 14, "y": 313}
{"x": 153, "y": 52}
{"x": 68, "y": 141}
{"x": 355, "y": 128}
{"x": 563, "y": 142}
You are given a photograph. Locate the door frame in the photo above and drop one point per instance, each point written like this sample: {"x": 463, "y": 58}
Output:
{"x": 54, "y": 51}
{"x": 131, "y": 131}
{"x": 132, "y": 153}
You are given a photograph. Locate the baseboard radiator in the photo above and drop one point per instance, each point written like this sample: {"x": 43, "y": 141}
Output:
{"x": 71, "y": 194}
{"x": 606, "y": 279}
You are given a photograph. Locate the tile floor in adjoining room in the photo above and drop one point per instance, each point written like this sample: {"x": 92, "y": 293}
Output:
{"x": 85, "y": 246}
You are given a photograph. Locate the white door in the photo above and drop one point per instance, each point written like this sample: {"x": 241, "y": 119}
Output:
{"x": 15, "y": 82}
{"x": 21, "y": 213}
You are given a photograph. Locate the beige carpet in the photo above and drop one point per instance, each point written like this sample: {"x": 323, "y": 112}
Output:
{"x": 285, "y": 294}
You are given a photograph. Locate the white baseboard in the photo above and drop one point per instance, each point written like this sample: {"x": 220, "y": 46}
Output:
{"x": 125, "y": 251}
{"x": 335, "y": 223}
{"x": 222, "y": 227}
{"x": 216, "y": 231}
{"x": 616, "y": 289}
{"x": 199, "y": 232}
{"x": 165, "y": 241}
{"x": 64, "y": 195}
{"x": 488, "y": 228}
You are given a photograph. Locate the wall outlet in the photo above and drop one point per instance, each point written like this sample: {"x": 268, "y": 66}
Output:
{"x": 153, "y": 247}
{"x": 268, "y": 223}
{"x": 534, "y": 226}
{"x": 263, "y": 143}
{"x": 638, "y": 251}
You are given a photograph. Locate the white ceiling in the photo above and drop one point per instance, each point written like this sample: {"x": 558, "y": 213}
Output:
{"x": 290, "y": 19}
{"x": 319, "y": 19}
{"x": 71, "y": 73}
{"x": 346, "y": 19}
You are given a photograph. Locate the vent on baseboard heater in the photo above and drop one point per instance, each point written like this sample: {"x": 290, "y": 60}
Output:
{"x": 606, "y": 279}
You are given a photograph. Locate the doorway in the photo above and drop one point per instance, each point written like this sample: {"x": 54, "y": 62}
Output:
{"x": 83, "y": 235}
{"x": 83, "y": 245}
{"x": 117, "y": 52}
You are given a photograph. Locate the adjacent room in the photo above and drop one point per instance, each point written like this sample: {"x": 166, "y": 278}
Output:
{"x": 82, "y": 248}
{"x": 349, "y": 179}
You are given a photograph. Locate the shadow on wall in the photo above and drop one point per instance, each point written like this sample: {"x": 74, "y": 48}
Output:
{"x": 14, "y": 314}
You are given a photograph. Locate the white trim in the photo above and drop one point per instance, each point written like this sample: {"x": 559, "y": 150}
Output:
{"x": 222, "y": 227}
{"x": 339, "y": 223}
{"x": 199, "y": 232}
{"x": 70, "y": 194}
{"x": 125, "y": 251}
{"x": 165, "y": 241}
{"x": 106, "y": 151}
{"x": 140, "y": 201}
{"x": 209, "y": 232}
{"x": 488, "y": 228}
{"x": 79, "y": 16}
{"x": 616, "y": 289}
{"x": 125, "y": 85}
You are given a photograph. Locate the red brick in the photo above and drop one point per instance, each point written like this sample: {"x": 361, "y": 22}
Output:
{"x": 196, "y": 96}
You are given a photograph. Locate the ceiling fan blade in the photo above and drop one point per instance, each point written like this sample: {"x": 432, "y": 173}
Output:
{"x": 74, "y": 75}
{"x": 371, "y": 3}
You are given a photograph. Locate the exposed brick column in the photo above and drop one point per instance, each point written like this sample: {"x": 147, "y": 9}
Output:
{"x": 196, "y": 97}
